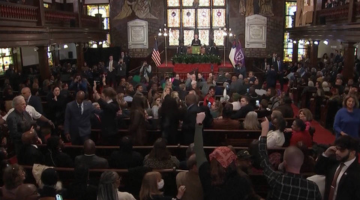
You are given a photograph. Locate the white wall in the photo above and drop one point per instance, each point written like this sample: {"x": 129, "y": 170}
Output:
{"x": 29, "y": 56}
{"x": 330, "y": 48}
{"x": 64, "y": 52}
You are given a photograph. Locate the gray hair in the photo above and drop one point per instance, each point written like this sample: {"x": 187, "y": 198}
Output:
{"x": 17, "y": 100}
{"x": 241, "y": 76}
{"x": 106, "y": 189}
{"x": 311, "y": 84}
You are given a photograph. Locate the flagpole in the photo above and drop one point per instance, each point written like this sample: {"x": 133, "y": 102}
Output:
{"x": 225, "y": 34}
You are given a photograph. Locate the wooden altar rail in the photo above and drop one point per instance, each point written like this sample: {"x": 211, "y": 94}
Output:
{"x": 23, "y": 13}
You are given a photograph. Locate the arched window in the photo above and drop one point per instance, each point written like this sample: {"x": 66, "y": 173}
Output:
{"x": 187, "y": 17}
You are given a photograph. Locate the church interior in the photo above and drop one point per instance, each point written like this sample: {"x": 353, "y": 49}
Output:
{"x": 179, "y": 99}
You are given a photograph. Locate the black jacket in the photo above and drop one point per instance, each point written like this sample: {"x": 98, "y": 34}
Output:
{"x": 243, "y": 112}
{"x": 108, "y": 118}
{"x": 35, "y": 102}
{"x": 29, "y": 155}
{"x": 348, "y": 187}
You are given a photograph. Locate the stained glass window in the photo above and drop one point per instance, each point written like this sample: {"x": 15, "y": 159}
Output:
{"x": 203, "y": 17}
{"x": 204, "y": 36}
{"x": 173, "y": 17}
{"x": 219, "y": 2}
{"x": 188, "y": 37}
{"x": 187, "y": 2}
{"x": 189, "y": 17}
{"x": 174, "y": 37}
{"x": 173, "y": 3}
{"x": 5, "y": 59}
{"x": 204, "y": 3}
{"x": 218, "y": 37}
{"x": 104, "y": 10}
{"x": 92, "y": 10}
{"x": 218, "y": 17}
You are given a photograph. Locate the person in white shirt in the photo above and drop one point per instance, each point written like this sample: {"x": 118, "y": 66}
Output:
{"x": 108, "y": 187}
{"x": 32, "y": 112}
{"x": 275, "y": 137}
{"x": 340, "y": 166}
{"x": 145, "y": 71}
{"x": 236, "y": 103}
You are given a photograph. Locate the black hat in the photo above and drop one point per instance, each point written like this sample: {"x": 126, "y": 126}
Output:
{"x": 244, "y": 154}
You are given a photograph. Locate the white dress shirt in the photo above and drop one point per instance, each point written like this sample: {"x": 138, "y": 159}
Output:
{"x": 275, "y": 139}
{"x": 110, "y": 66}
{"x": 82, "y": 107}
{"x": 31, "y": 110}
{"x": 236, "y": 105}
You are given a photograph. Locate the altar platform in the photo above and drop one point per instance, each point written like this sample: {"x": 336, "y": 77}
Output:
{"x": 202, "y": 67}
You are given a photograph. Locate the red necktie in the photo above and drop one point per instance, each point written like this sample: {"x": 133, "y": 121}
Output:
{"x": 333, "y": 184}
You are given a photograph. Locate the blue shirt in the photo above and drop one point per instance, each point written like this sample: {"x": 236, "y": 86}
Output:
{"x": 347, "y": 122}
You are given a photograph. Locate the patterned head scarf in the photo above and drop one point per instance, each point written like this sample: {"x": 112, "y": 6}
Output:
{"x": 223, "y": 155}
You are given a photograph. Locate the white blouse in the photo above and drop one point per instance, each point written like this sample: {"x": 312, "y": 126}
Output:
{"x": 275, "y": 139}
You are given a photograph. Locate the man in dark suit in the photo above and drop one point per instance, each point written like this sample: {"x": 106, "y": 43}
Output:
{"x": 189, "y": 121}
{"x": 240, "y": 69}
{"x": 89, "y": 159}
{"x": 120, "y": 71}
{"x": 245, "y": 108}
{"x": 343, "y": 173}
{"x": 181, "y": 49}
{"x": 33, "y": 101}
{"x": 29, "y": 153}
{"x": 271, "y": 77}
{"x": 109, "y": 108}
{"x": 77, "y": 125}
{"x": 111, "y": 70}
{"x": 279, "y": 69}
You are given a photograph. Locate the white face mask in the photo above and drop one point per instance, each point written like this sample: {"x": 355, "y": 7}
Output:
{"x": 161, "y": 184}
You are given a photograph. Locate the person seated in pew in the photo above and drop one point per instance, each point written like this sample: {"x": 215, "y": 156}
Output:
{"x": 216, "y": 109}
{"x": 80, "y": 189}
{"x": 289, "y": 185}
{"x": 244, "y": 161}
{"x": 49, "y": 180}
{"x": 210, "y": 97}
{"x": 160, "y": 157}
{"x": 151, "y": 185}
{"x": 236, "y": 104}
{"x": 299, "y": 133}
{"x": 190, "y": 180}
{"x": 89, "y": 159}
{"x": 251, "y": 121}
{"x": 125, "y": 157}
{"x": 108, "y": 188}
{"x": 306, "y": 116}
{"x": 245, "y": 108}
{"x": 27, "y": 192}
{"x": 275, "y": 137}
{"x": 253, "y": 96}
{"x": 14, "y": 177}
{"x": 285, "y": 107}
{"x": 226, "y": 122}
{"x": 29, "y": 153}
{"x": 263, "y": 110}
{"x": 55, "y": 157}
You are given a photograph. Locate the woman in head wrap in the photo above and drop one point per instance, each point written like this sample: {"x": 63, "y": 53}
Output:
{"x": 219, "y": 177}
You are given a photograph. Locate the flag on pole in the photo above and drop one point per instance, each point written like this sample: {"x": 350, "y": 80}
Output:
{"x": 232, "y": 54}
{"x": 156, "y": 55}
{"x": 239, "y": 54}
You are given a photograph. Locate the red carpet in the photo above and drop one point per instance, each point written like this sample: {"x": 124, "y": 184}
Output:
{"x": 322, "y": 135}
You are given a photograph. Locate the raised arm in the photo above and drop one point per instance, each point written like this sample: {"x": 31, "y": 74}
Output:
{"x": 269, "y": 173}
{"x": 198, "y": 140}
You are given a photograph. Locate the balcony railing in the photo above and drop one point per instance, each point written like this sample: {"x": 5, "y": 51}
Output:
{"x": 29, "y": 16}
{"x": 337, "y": 15}
{"x": 17, "y": 11}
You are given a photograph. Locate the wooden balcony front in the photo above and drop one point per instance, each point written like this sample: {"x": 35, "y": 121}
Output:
{"x": 23, "y": 25}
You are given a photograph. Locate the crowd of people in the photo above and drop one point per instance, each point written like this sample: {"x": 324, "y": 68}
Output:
{"x": 97, "y": 98}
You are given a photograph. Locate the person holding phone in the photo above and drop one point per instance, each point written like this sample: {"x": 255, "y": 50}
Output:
{"x": 209, "y": 98}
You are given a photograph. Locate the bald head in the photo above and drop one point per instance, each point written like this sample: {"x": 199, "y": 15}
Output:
{"x": 29, "y": 137}
{"x": 89, "y": 147}
{"x": 293, "y": 157}
{"x": 27, "y": 192}
{"x": 80, "y": 96}
{"x": 26, "y": 92}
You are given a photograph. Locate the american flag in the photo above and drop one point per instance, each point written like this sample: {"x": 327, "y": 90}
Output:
{"x": 156, "y": 55}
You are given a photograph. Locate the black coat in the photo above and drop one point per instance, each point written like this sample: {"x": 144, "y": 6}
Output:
{"x": 35, "y": 102}
{"x": 189, "y": 121}
{"x": 348, "y": 187}
{"x": 29, "y": 155}
{"x": 243, "y": 112}
{"x": 108, "y": 118}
